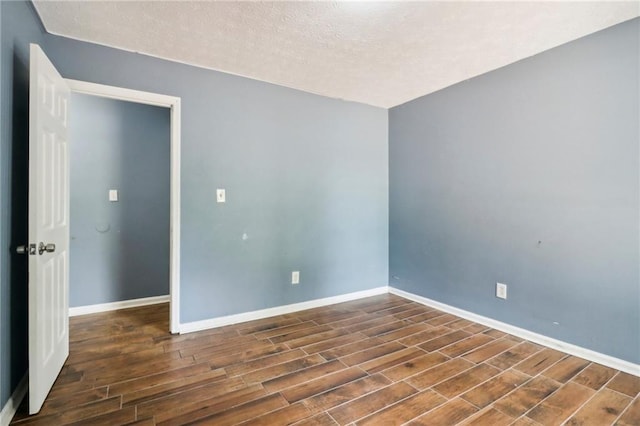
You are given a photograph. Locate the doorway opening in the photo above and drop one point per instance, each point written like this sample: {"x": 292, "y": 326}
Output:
{"x": 103, "y": 226}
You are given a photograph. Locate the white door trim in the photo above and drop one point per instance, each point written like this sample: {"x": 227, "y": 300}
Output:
{"x": 173, "y": 103}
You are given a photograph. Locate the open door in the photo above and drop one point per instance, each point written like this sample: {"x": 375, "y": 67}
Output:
{"x": 48, "y": 246}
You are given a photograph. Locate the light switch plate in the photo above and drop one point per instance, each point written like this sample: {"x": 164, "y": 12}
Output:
{"x": 221, "y": 196}
{"x": 501, "y": 291}
{"x": 113, "y": 195}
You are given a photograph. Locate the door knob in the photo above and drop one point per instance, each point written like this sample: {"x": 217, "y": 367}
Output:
{"x": 49, "y": 248}
{"x": 26, "y": 249}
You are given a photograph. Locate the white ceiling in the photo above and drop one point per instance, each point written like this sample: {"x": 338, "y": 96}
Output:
{"x": 377, "y": 53}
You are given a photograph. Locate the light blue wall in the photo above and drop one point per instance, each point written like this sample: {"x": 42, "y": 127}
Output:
{"x": 2, "y": 218}
{"x": 119, "y": 250}
{"x": 305, "y": 177}
{"x": 18, "y": 27}
{"x": 306, "y": 180}
{"x": 529, "y": 176}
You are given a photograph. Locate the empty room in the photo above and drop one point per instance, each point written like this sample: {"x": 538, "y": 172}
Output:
{"x": 319, "y": 213}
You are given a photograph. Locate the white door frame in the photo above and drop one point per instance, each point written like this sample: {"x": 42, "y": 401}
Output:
{"x": 172, "y": 102}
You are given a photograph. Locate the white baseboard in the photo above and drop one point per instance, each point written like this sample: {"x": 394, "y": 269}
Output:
{"x": 279, "y": 310}
{"x": 588, "y": 354}
{"x": 190, "y": 327}
{"x": 104, "y": 307}
{"x": 10, "y": 408}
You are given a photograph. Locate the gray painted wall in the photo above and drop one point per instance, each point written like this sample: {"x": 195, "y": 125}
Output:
{"x": 2, "y": 217}
{"x": 2, "y": 209}
{"x": 306, "y": 180}
{"x": 529, "y": 176}
{"x": 119, "y": 250}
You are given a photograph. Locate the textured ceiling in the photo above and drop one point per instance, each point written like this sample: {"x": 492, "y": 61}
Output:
{"x": 377, "y": 53}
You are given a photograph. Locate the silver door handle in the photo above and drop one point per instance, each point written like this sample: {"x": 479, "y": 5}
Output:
{"x": 26, "y": 249}
{"x": 49, "y": 248}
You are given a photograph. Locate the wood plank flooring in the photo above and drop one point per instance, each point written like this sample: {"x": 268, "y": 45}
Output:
{"x": 383, "y": 360}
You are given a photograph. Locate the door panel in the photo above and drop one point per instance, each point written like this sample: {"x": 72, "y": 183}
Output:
{"x": 48, "y": 224}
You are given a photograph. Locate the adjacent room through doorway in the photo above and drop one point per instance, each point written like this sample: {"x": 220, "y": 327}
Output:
{"x": 120, "y": 201}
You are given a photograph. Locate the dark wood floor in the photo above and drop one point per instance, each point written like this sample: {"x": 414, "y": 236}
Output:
{"x": 382, "y": 360}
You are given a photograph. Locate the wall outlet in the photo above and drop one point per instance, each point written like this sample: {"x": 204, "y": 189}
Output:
{"x": 295, "y": 277}
{"x": 113, "y": 195}
{"x": 501, "y": 291}
{"x": 221, "y": 196}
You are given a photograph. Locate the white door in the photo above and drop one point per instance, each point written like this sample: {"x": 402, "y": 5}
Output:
{"x": 48, "y": 226}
